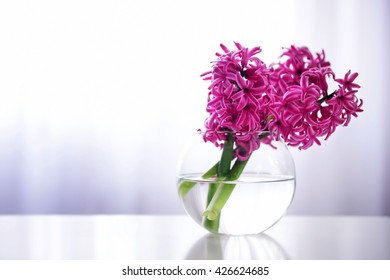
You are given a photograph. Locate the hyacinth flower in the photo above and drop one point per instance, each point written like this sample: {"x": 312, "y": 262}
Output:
{"x": 251, "y": 104}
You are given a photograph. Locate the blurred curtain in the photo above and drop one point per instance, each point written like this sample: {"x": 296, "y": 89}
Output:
{"x": 99, "y": 97}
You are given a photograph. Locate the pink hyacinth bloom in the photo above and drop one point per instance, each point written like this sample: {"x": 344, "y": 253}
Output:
{"x": 347, "y": 82}
{"x": 239, "y": 80}
{"x": 346, "y": 103}
{"x": 289, "y": 99}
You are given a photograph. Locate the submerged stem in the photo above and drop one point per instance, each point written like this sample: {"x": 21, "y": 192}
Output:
{"x": 220, "y": 190}
{"x": 185, "y": 186}
{"x": 220, "y": 197}
{"x": 211, "y": 221}
{"x": 224, "y": 191}
{"x": 211, "y": 225}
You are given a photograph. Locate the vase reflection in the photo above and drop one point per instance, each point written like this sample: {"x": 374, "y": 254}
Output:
{"x": 237, "y": 247}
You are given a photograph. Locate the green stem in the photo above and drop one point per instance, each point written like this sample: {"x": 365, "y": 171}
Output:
{"x": 185, "y": 186}
{"x": 223, "y": 192}
{"x": 237, "y": 169}
{"x": 211, "y": 192}
{"x": 219, "y": 192}
{"x": 226, "y": 158}
{"x": 211, "y": 172}
{"x": 223, "y": 171}
{"x": 211, "y": 225}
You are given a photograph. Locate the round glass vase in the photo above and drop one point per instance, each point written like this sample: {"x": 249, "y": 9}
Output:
{"x": 249, "y": 202}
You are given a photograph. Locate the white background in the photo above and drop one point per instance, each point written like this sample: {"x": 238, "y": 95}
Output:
{"x": 97, "y": 99}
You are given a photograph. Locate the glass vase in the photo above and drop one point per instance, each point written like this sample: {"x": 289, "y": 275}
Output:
{"x": 246, "y": 204}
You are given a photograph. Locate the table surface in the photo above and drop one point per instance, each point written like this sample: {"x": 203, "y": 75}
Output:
{"x": 176, "y": 237}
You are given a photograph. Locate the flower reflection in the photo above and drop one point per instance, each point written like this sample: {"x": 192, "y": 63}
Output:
{"x": 237, "y": 247}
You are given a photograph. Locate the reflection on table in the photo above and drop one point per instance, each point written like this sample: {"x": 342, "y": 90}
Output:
{"x": 145, "y": 237}
{"x": 248, "y": 247}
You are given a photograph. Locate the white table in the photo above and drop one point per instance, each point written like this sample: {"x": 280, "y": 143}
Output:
{"x": 138, "y": 237}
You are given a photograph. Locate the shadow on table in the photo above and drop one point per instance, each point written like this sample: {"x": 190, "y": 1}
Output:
{"x": 227, "y": 247}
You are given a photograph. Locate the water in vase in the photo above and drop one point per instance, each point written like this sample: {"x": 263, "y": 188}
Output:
{"x": 256, "y": 203}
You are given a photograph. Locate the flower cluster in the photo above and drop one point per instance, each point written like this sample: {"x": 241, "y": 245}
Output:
{"x": 289, "y": 99}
